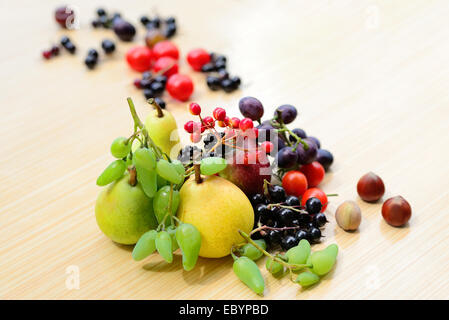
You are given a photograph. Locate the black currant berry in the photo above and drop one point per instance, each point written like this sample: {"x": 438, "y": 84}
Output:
{"x": 319, "y": 220}
{"x": 292, "y": 201}
{"x": 314, "y": 234}
{"x": 301, "y": 234}
{"x": 277, "y": 193}
{"x": 313, "y": 205}
{"x": 288, "y": 242}
{"x": 257, "y": 199}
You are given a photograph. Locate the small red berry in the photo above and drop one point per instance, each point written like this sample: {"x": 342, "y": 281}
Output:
{"x": 256, "y": 132}
{"x": 166, "y": 63}
{"x": 195, "y": 137}
{"x": 234, "y": 122}
{"x": 209, "y": 122}
{"x": 195, "y": 109}
{"x": 219, "y": 114}
{"x": 140, "y": 58}
{"x": 180, "y": 86}
{"x": 221, "y": 124}
{"x": 65, "y": 16}
{"x": 188, "y": 126}
{"x": 47, "y": 54}
{"x": 198, "y": 58}
{"x": 165, "y": 49}
{"x": 137, "y": 83}
{"x": 267, "y": 146}
{"x": 245, "y": 124}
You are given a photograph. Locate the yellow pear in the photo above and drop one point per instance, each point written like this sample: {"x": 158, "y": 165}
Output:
{"x": 162, "y": 129}
{"x": 218, "y": 209}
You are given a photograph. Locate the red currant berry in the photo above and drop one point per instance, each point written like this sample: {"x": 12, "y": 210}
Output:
{"x": 180, "y": 86}
{"x": 195, "y": 109}
{"x": 137, "y": 84}
{"x": 195, "y": 137}
{"x": 168, "y": 64}
{"x": 221, "y": 124}
{"x": 219, "y": 114}
{"x": 165, "y": 49}
{"x": 197, "y": 127}
{"x": 188, "y": 126}
{"x": 198, "y": 58}
{"x": 245, "y": 124}
{"x": 64, "y": 16}
{"x": 267, "y": 146}
{"x": 139, "y": 58}
{"x": 47, "y": 54}
{"x": 234, "y": 122}
{"x": 209, "y": 122}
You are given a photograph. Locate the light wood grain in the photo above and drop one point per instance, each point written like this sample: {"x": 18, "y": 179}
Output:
{"x": 370, "y": 79}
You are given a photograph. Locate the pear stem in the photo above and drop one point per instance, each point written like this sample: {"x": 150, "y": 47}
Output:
{"x": 158, "y": 108}
{"x": 198, "y": 178}
{"x": 132, "y": 176}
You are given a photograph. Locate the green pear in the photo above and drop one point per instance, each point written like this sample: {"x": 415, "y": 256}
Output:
{"x": 162, "y": 129}
{"x": 124, "y": 212}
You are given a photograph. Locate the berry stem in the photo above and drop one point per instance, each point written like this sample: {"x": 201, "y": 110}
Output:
{"x": 198, "y": 178}
{"x": 290, "y": 266}
{"x": 284, "y": 206}
{"x": 132, "y": 176}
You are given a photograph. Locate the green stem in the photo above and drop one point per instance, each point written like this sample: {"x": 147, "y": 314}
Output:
{"x": 290, "y": 266}
{"x": 141, "y": 126}
{"x": 332, "y": 195}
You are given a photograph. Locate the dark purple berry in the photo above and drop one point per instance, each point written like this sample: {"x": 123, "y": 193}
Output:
{"x": 309, "y": 155}
{"x": 288, "y": 113}
{"x": 251, "y": 107}
{"x": 325, "y": 158}
{"x": 286, "y": 158}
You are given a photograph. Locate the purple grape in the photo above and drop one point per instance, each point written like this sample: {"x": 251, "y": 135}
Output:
{"x": 286, "y": 158}
{"x": 124, "y": 30}
{"x": 325, "y": 158}
{"x": 289, "y": 113}
{"x": 309, "y": 155}
{"x": 251, "y": 108}
{"x": 300, "y": 133}
{"x": 317, "y": 142}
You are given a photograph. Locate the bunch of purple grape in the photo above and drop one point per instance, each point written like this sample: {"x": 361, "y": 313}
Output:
{"x": 294, "y": 147}
{"x": 286, "y": 222}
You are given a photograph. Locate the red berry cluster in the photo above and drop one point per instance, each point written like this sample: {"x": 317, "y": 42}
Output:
{"x": 50, "y": 53}
{"x": 239, "y": 134}
{"x": 162, "y": 59}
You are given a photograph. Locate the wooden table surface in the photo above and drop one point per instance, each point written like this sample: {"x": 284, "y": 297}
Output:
{"x": 369, "y": 78}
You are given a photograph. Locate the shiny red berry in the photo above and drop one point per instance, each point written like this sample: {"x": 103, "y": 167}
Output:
{"x": 198, "y": 58}
{"x": 188, "y": 126}
{"x": 234, "y": 122}
{"x": 165, "y": 49}
{"x": 140, "y": 58}
{"x": 267, "y": 146}
{"x": 219, "y": 114}
{"x": 195, "y": 109}
{"x": 245, "y": 124}
{"x": 180, "y": 86}
{"x": 209, "y": 122}
{"x": 168, "y": 64}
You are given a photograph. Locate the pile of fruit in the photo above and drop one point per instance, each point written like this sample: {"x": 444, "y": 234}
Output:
{"x": 261, "y": 176}
{"x": 157, "y": 59}
{"x": 156, "y": 202}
